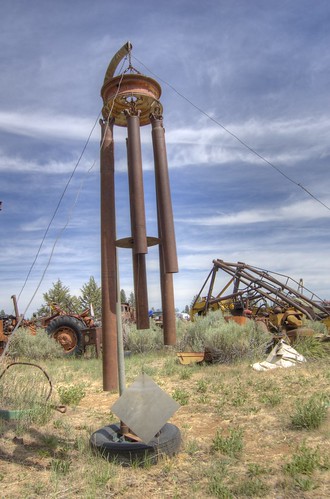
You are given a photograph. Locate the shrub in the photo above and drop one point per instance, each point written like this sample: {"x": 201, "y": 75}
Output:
{"x": 40, "y": 346}
{"x": 144, "y": 340}
{"x": 310, "y": 347}
{"x": 228, "y": 341}
{"x": 317, "y": 326}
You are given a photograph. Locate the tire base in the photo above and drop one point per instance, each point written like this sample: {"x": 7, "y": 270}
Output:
{"x": 111, "y": 445}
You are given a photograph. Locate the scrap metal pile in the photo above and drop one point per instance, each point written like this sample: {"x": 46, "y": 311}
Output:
{"x": 276, "y": 300}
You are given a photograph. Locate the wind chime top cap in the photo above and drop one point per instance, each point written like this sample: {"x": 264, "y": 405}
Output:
{"x": 131, "y": 92}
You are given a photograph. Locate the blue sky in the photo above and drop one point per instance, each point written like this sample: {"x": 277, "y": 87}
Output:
{"x": 260, "y": 69}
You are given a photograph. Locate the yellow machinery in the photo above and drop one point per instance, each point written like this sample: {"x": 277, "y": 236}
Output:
{"x": 276, "y": 299}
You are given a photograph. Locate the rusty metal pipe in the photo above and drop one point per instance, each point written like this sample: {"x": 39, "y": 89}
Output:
{"x": 135, "y": 183}
{"x": 167, "y": 292}
{"x": 15, "y": 306}
{"x": 140, "y": 291}
{"x": 108, "y": 259}
{"x": 135, "y": 178}
{"x": 165, "y": 212}
{"x": 168, "y": 306}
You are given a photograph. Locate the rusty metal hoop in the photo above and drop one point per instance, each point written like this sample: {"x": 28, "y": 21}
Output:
{"x": 33, "y": 365}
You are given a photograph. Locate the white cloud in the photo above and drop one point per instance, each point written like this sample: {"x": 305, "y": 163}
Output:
{"x": 304, "y": 210}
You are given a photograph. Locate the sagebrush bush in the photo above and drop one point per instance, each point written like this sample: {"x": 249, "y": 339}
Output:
{"x": 317, "y": 326}
{"x": 228, "y": 341}
{"x": 40, "y": 346}
{"x": 144, "y": 340}
{"x": 195, "y": 333}
{"x": 310, "y": 347}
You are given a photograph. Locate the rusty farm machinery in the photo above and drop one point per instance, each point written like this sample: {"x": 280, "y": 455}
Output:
{"x": 276, "y": 301}
{"x": 74, "y": 332}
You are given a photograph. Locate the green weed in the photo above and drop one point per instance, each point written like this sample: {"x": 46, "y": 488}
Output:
{"x": 50, "y": 441}
{"x": 304, "y": 483}
{"x": 311, "y": 414}
{"x": 181, "y": 396}
{"x": 60, "y": 466}
{"x": 232, "y": 445}
{"x": 305, "y": 462}
{"x": 191, "y": 447}
{"x": 251, "y": 487}
{"x": 201, "y": 386}
{"x": 71, "y": 395}
{"x": 185, "y": 374}
{"x": 203, "y": 399}
{"x": 217, "y": 476}
{"x": 218, "y": 489}
{"x": 170, "y": 367}
{"x": 271, "y": 399}
{"x": 255, "y": 469}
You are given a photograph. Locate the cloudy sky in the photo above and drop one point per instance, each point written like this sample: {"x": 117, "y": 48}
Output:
{"x": 257, "y": 71}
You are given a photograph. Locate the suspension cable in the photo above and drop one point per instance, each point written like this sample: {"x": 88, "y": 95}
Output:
{"x": 242, "y": 142}
{"x": 63, "y": 194}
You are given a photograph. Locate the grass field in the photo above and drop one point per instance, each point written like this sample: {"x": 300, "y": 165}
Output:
{"x": 244, "y": 433}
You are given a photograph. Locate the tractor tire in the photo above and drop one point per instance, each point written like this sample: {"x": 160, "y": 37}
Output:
{"x": 66, "y": 331}
{"x": 105, "y": 442}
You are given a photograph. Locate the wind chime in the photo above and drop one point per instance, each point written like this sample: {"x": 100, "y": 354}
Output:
{"x": 131, "y": 100}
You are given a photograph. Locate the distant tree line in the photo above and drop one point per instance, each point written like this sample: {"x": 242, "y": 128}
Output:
{"x": 60, "y": 295}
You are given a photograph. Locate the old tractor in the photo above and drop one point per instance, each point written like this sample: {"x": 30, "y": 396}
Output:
{"x": 276, "y": 301}
{"x": 74, "y": 332}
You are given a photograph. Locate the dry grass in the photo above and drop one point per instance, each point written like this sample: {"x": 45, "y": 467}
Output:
{"x": 228, "y": 405}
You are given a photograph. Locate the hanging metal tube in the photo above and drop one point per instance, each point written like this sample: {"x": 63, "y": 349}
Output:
{"x": 135, "y": 177}
{"x": 167, "y": 292}
{"x": 108, "y": 259}
{"x": 138, "y": 224}
{"x": 141, "y": 292}
{"x": 165, "y": 212}
{"x": 168, "y": 306}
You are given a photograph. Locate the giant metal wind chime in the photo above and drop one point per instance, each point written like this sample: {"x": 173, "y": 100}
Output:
{"x": 131, "y": 100}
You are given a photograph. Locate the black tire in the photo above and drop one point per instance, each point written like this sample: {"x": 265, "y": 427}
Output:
{"x": 66, "y": 330}
{"x": 105, "y": 441}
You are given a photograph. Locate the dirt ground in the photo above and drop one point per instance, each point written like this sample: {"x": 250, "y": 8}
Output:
{"x": 54, "y": 460}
